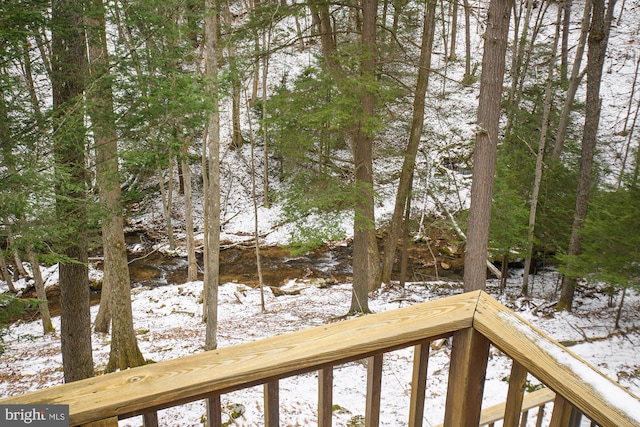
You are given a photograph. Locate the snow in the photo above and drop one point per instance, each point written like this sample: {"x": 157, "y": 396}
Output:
{"x": 168, "y": 318}
{"x": 606, "y": 391}
{"x": 168, "y": 324}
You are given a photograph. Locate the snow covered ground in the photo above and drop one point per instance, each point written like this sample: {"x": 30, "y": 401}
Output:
{"x": 167, "y": 320}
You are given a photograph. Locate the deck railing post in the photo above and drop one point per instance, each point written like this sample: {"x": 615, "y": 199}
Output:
{"x": 515, "y": 395}
{"x": 374, "y": 387}
{"x": 561, "y": 412}
{"x": 469, "y": 354}
{"x": 150, "y": 419}
{"x": 325, "y": 396}
{"x": 272, "y": 404}
{"x": 214, "y": 411}
{"x": 418, "y": 384}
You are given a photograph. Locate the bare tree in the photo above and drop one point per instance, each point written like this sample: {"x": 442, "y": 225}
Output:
{"x": 124, "y": 351}
{"x": 365, "y": 250}
{"x": 598, "y": 40}
{"x": 417, "y": 124}
{"x": 41, "y": 293}
{"x": 544, "y": 126}
{"x": 484, "y": 161}
{"x": 574, "y": 81}
{"x": 212, "y": 198}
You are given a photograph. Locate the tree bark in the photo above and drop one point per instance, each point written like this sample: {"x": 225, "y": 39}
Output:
{"x": 544, "y": 126}
{"x": 598, "y": 39}
{"x": 6, "y": 275}
{"x": 454, "y": 31}
{"x": 365, "y": 251}
{"x": 68, "y": 84}
{"x": 417, "y": 124}
{"x": 467, "y": 42}
{"x": 327, "y": 40}
{"x": 566, "y": 29}
{"x": 489, "y": 108}
{"x": 192, "y": 262}
{"x": 124, "y": 351}
{"x": 41, "y": 293}
{"x": 212, "y": 266}
{"x": 574, "y": 81}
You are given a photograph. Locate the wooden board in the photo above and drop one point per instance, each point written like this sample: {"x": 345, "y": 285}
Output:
{"x": 164, "y": 384}
{"x": 596, "y": 395}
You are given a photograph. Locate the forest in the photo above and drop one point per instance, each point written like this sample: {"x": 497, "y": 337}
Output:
{"x": 508, "y": 127}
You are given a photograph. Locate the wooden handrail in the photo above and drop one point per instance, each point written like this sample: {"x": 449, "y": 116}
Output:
{"x": 160, "y": 385}
{"x": 594, "y": 394}
{"x": 473, "y": 319}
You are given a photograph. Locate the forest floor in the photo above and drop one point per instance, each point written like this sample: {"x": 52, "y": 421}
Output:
{"x": 168, "y": 325}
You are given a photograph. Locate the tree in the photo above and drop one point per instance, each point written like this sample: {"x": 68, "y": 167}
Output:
{"x": 544, "y": 126}
{"x": 68, "y": 72}
{"x": 574, "y": 82}
{"x": 610, "y": 239}
{"x": 417, "y": 123}
{"x": 598, "y": 39}
{"x": 484, "y": 160}
{"x": 124, "y": 346}
{"x": 365, "y": 250}
{"x": 212, "y": 197}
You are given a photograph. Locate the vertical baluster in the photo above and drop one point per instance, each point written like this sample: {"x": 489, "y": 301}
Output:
{"x": 515, "y": 395}
{"x": 561, "y": 412}
{"x": 150, "y": 419}
{"x": 214, "y": 411}
{"x": 469, "y": 355}
{"x": 418, "y": 384}
{"x": 325, "y": 396}
{"x": 272, "y": 404}
{"x": 524, "y": 418}
{"x": 374, "y": 385}
{"x": 540, "y": 415}
{"x": 575, "y": 418}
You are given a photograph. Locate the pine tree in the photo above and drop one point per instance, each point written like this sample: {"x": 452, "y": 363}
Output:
{"x": 69, "y": 70}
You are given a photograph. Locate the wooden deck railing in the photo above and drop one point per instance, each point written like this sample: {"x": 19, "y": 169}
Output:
{"x": 475, "y": 321}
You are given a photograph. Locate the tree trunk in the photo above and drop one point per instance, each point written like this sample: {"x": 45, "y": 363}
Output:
{"x": 68, "y": 78}
{"x": 41, "y": 293}
{"x": 574, "y": 82}
{"x": 454, "y": 31}
{"x": 192, "y": 262}
{"x": 327, "y": 40}
{"x": 166, "y": 195}
{"x": 484, "y": 164}
{"x": 265, "y": 131}
{"x": 417, "y": 124}
{"x": 566, "y": 29}
{"x": 256, "y": 232}
{"x": 6, "y": 275}
{"x": 365, "y": 251}
{"x": 18, "y": 262}
{"x": 544, "y": 126}
{"x": 598, "y": 39}
{"x": 629, "y": 131}
{"x": 467, "y": 43}
{"x": 237, "y": 140}
{"x": 124, "y": 345}
{"x": 212, "y": 198}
